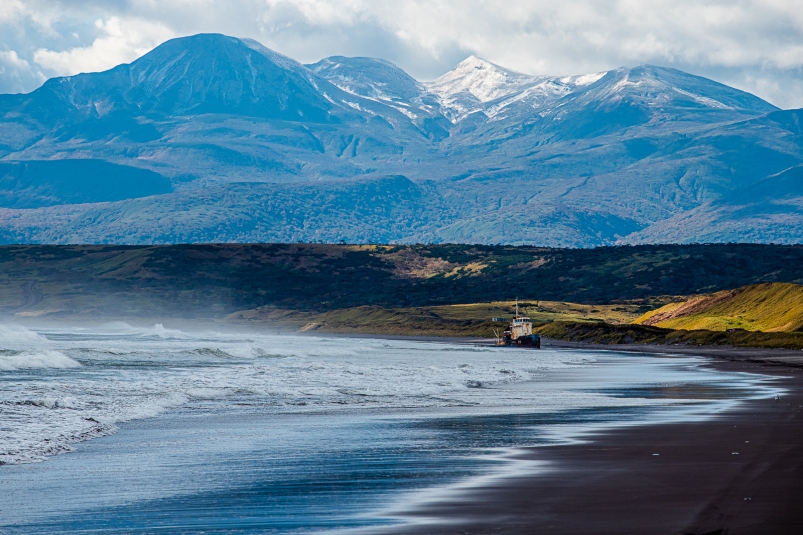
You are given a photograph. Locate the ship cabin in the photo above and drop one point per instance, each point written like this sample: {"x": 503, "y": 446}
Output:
{"x": 521, "y": 326}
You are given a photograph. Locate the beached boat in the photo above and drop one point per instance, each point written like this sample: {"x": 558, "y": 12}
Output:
{"x": 520, "y": 332}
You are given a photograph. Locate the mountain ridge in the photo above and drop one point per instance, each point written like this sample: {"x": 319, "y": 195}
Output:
{"x": 638, "y": 154}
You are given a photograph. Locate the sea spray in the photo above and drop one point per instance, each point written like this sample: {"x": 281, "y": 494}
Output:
{"x": 67, "y": 385}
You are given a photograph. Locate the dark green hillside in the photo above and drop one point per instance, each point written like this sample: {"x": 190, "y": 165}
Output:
{"x": 215, "y": 280}
{"x": 36, "y": 184}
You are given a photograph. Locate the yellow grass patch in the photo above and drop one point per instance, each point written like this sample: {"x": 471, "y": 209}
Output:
{"x": 770, "y": 307}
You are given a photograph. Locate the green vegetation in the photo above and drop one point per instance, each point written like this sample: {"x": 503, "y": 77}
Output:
{"x": 448, "y": 320}
{"x": 434, "y": 290}
{"x": 604, "y": 333}
{"x": 566, "y": 321}
{"x": 773, "y": 307}
{"x": 212, "y": 281}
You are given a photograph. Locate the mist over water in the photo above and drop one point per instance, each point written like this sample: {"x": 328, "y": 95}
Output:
{"x": 249, "y": 424}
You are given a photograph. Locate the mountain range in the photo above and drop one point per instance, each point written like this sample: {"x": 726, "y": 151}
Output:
{"x": 212, "y": 138}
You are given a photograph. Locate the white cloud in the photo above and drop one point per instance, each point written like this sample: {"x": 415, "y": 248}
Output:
{"x": 325, "y": 12}
{"x": 755, "y": 43}
{"x": 751, "y": 38}
{"x": 17, "y": 73}
{"x": 11, "y": 10}
{"x": 10, "y": 59}
{"x": 120, "y": 42}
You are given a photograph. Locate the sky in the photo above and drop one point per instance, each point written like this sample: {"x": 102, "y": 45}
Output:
{"x": 756, "y": 46}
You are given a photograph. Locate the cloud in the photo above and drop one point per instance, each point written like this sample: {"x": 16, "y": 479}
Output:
{"x": 16, "y": 73}
{"x": 10, "y": 10}
{"x": 10, "y": 59}
{"x": 756, "y": 45}
{"x": 120, "y": 42}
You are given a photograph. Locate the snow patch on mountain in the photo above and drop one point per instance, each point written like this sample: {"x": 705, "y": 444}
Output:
{"x": 657, "y": 91}
{"x": 372, "y": 78}
{"x": 474, "y": 82}
{"x": 482, "y": 79}
{"x": 477, "y": 85}
{"x": 535, "y": 97}
{"x": 406, "y": 112}
{"x": 705, "y": 101}
{"x": 581, "y": 80}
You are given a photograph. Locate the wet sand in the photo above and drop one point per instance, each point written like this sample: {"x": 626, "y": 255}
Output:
{"x": 782, "y": 357}
{"x": 739, "y": 473}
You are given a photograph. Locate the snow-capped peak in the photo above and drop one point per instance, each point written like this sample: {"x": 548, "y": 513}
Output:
{"x": 483, "y": 79}
{"x": 473, "y": 83}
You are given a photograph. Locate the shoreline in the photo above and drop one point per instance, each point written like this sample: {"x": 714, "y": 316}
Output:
{"x": 740, "y": 472}
{"x": 506, "y": 504}
{"x": 781, "y": 357}
{"x": 792, "y": 358}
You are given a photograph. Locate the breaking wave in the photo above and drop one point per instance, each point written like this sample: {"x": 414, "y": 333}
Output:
{"x": 13, "y": 335}
{"x": 158, "y": 330}
{"x": 25, "y": 360}
{"x": 77, "y": 384}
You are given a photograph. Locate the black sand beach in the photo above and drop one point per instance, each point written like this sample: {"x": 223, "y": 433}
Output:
{"x": 740, "y": 473}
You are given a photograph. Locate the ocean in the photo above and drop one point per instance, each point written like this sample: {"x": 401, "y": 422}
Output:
{"x": 126, "y": 429}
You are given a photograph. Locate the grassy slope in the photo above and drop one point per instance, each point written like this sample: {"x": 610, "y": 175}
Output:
{"x": 604, "y": 333}
{"x": 776, "y": 307}
{"x": 212, "y": 281}
{"x": 391, "y": 289}
{"x": 448, "y": 320}
{"x": 561, "y": 321}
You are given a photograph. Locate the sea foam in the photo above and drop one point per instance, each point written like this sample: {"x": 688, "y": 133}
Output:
{"x": 36, "y": 359}
{"x": 13, "y": 335}
{"x": 65, "y": 385}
